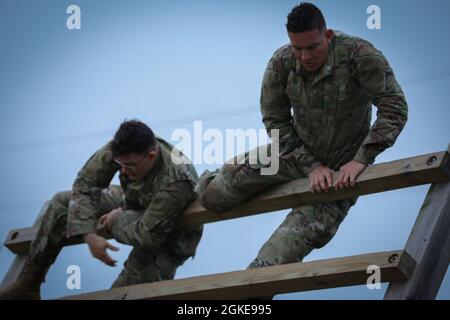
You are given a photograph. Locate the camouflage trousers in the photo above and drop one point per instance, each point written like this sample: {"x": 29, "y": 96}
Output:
{"x": 305, "y": 228}
{"x": 140, "y": 267}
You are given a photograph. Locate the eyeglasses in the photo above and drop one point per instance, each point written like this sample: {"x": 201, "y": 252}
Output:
{"x": 130, "y": 166}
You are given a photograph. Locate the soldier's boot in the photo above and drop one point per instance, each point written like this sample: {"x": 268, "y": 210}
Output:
{"x": 28, "y": 284}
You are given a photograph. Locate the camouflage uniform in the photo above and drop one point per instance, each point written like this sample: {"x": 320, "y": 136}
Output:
{"x": 329, "y": 125}
{"x": 151, "y": 210}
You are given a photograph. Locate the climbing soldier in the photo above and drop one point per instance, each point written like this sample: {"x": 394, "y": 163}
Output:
{"x": 142, "y": 212}
{"x": 318, "y": 93}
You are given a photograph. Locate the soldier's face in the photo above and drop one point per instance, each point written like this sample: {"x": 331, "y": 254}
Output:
{"x": 311, "y": 47}
{"x": 137, "y": 166}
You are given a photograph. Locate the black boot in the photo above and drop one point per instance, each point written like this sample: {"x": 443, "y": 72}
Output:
{"x": 28, "y": 284}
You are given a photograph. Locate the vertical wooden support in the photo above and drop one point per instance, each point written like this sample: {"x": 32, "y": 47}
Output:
{"x": 429, "y": 245}
{"x": 19, "y": 261}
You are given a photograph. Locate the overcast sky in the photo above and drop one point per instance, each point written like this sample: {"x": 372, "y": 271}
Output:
{"x": 64, "y": 92}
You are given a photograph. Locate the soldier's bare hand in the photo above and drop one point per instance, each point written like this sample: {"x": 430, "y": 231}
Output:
{"x": 97, "y": 246}
{"x": 108, "y": 219}
{"x": 320, "y": 179}
{"x": 348, "y": 174}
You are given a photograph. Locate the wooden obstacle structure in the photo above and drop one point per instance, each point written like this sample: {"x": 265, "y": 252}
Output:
{"x": 415, "y": 272}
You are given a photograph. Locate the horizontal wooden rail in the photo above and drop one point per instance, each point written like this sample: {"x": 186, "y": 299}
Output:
{"x": 408, "y": 172}
{"x": 268, "y": 281}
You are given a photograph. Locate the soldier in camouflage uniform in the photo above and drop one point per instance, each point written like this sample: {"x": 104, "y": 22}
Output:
{"x": 141, "y": 212}
{"x": 329, "y": 80}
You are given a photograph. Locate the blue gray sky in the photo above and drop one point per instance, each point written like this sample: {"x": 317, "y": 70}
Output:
{"x": 64, "y": 92}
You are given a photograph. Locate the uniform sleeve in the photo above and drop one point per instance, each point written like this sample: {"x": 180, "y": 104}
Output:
{"x": 150, "y": 229}
{"x": 276, "y": 112}
{"x": 378, "y": 80}
{"x": 95, "y": 176}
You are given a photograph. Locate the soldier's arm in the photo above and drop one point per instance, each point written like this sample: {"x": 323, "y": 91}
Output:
{"x": 95, "y": 175}
{"x": 377, "y": 77}
{"x": 151, "y": 229}
{"x": 276, "y": 112}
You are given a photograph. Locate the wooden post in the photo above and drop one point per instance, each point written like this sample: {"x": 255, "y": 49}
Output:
{"x": 429, "y": 245}
{"x": 19, "y": 261}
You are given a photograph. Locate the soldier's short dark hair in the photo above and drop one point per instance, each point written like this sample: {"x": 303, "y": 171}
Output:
{"x": 133, "y": 136}
{"x": 305, "y": 17}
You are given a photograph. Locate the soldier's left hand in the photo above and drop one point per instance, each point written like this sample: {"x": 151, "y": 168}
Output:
{"x": 348, "y": 174}
{"x": 108, "y": 219}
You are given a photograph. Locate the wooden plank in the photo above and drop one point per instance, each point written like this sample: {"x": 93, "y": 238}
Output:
{"x": 386, "y": 176}
{"x": 268, "y": 281}
{"x": 381, "y": 177}
{"x": 429, "y": 245}
{"x": 19, "y": 261}
{"x": 18, "y": 240}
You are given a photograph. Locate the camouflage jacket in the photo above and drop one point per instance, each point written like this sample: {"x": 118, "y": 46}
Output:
{"x": 161, "y": 198}
{"x": 331, "y": 110}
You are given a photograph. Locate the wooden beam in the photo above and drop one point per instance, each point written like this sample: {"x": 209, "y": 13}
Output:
{"x": 381, "y": 177}
{"x": 19, "y": 261}
{"x": 429, "y": 245}
{"x": 268, "y": 281}
{"x": 386, "y": 176}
